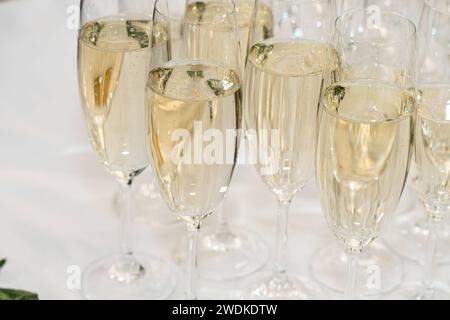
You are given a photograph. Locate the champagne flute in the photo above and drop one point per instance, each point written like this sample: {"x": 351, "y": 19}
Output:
{"x": 194, "y": 98}
{"x": 410, "y": 9}
{"x": 363, "y": 154}
{"x": 410, "y": 231}
{"x": 374, "y": 86}
{"x": 227, "y": 251}
{"x": 113, "y": 53}
{"x": 366, "y": 54}
{"x": 284, "y": 76}
{"x": 432, "y": 140}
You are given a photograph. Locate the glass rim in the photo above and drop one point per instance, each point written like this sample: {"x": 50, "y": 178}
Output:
{"x": 359, "y": 83}
{"x": 338, "y": 21}
{"x": 184, "y": 20}
{"x": 122, "y": 16}
{"x": 432, "y": 5}
{"x": 302, "y": 1}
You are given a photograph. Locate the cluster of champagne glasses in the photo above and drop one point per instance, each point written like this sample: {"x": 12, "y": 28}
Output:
{"x": 354, "y": 92}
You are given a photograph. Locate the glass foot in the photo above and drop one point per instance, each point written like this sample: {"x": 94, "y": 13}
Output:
{"x": 229, "y": 254}
{"x": 269, "y": 285}
{"x": 408, "y": 237}
{"x": 126, "y": 270}
{"x": 380, "y": 270}
{"x": 140, "y": 277}
{"x": 415, "y": 292}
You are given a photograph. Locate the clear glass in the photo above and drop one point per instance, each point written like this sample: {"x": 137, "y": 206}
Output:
{"x": 366, "y": 53}
{"x": 112, "y": 59}
{"x": 329, "y": 264}
{"x": 285, "y": 70}
{"x": 363, "y": 154}
{"x": 410, "y": 231}
{"x": 193, "y": 96}
{"x": 228, "y": 251}
{"x": 432, "y": 139}
{"x": 329, "y": 268}
{"x": 225, "y": 251}
{"x": 366, "y": 47}
{"x": 410, "y": 9}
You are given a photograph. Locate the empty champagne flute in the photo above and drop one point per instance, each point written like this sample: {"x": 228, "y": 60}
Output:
{"x": 432, "y": 141}
{"x": 284, "y": 76}
{"x": 365, "y": 52}
{"x": 194, "y": 100}
{"x": 113, "y": 53}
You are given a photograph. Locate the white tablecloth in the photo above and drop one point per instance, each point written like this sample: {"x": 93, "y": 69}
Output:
{"x": 56, "y": 199}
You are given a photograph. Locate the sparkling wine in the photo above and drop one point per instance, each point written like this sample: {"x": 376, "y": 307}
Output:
{"x": 213, "y": 11}
{"x": 363, "y": 155}
{"x": 284, "y": 81}
{"x": 195, "y": 111}
{"x": 112, "y": 62}
{"x": 432, "y": 147}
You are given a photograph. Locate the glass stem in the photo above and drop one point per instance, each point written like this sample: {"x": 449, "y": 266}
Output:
{"x": 430, "y": 254}
{"x": 126, "y": 217}
{"x": 352, "y": 272}
{"x": 282, "y": 236}
{"x": 222, "y": 222}
{"x": 191, "y": 264}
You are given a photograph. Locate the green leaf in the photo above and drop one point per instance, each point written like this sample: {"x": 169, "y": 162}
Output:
{"x": 2, "y": 263}
{"x": 11, "y": 294}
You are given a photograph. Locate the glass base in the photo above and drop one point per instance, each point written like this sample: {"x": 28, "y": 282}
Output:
{"x": 229, "y": 254}
{"x": 140, "y": 277}
{"x": 269, "y": 285}
{"x": 380, "y": 270}
{"x": 409, "y": 234}
{"x": 415, "y": 292}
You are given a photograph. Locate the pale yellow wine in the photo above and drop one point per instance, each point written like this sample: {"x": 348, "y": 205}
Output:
{"x": 195, "y": 110}
{"x": 284, "y": 81}
{"x": 113, "y": 54}
{"x": 209, "y": 15}
{"x": 363, "y": 154}
{"x": 432, "y": 148}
